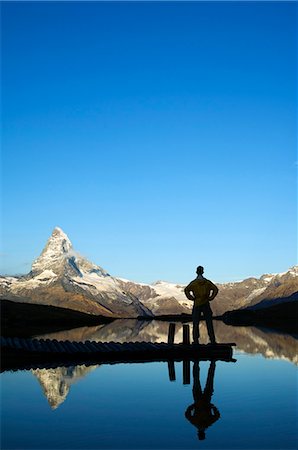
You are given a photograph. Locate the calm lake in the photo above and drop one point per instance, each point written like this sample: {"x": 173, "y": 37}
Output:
{"x": 247, "y": 404}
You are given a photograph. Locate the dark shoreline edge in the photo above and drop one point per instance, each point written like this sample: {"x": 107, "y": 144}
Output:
{"x": 25, "y": 319}
{"x": 281, "y": 317}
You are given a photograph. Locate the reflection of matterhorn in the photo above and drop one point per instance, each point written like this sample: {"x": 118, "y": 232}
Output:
{"x": 56, "y": 383}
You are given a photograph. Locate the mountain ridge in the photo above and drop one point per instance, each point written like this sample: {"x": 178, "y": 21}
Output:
{"x": 62, "y": 277}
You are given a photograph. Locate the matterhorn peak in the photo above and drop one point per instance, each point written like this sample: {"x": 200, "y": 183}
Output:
{"x": 59, "y": 233}
{"x": 56, "y": 249}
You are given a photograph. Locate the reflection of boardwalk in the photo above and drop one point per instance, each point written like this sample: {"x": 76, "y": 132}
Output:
{"x": 39, "y": 353}
{"x": 202, "y": 413}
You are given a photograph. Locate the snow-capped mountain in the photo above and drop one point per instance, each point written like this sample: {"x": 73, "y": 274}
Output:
{"x": 61, "y": 277}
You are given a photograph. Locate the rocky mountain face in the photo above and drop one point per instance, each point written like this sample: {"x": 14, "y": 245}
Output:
{"x": 160, "y": 297}
{"x": 267, "y": 290}
{"x": 61, "y": 277}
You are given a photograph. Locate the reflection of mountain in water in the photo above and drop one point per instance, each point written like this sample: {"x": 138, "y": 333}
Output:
{"x": 248, "y": 339}
{"x": 56, "y": 383}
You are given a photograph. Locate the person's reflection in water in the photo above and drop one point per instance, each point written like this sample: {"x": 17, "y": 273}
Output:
{"x": 202, "y": 413}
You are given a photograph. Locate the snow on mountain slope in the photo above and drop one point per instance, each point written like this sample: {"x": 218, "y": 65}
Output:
{"x": 160, "y": 297}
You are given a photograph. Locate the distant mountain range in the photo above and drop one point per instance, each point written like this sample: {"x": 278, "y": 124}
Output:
{"x": 61, "y": 277}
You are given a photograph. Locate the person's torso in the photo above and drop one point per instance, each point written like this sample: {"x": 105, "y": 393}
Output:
{"x": 201, "y": 289}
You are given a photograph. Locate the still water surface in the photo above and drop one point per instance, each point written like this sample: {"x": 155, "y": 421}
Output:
{"x": 247, "y": 404}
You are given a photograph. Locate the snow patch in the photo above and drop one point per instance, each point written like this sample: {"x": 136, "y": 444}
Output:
{"x": 256, "y": 292}
{"x": 46, "y": 274}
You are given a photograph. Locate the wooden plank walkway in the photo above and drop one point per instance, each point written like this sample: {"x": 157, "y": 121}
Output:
{"x": 68, "y": 347}
{"x": 20, "y": 353}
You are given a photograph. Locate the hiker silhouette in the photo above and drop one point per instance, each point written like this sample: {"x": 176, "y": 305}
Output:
{"x": 202, "y": 413}
{"x": 201, "y": 291}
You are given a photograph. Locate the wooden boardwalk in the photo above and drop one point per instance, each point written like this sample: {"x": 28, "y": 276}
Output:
{"x": 20, "y": 353}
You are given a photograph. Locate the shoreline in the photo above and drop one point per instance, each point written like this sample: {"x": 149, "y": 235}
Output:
{"x": 25, "y": 319}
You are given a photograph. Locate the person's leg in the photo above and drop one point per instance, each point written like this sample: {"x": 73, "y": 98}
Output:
{"x": 208, "y": 317}
{"x": 196, "y": 389}
{"x": 196, "y": 312}
{"x": 209, "y": 388}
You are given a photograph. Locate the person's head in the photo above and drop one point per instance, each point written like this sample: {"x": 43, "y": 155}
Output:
{"x": 200, "y": 270}
{"x": 201, "y": 435}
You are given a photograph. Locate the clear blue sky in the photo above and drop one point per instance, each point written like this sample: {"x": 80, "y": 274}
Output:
{"x": 158, "y": 136}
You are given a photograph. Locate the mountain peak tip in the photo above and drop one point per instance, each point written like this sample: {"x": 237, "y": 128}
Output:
{"x": 57, "y": 231}
{"x": 57, "y": 247}
{"x": 58, "y": 235}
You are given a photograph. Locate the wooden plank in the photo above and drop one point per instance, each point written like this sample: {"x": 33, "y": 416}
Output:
{"x": 63, "y": 347}
{"x": 76, "y": 346}
{"x": 186, "y": 371}
{"x": 90, "y": 347}
{"x": 56, "y": 345}
{"x": 9, "y": 342}
{"x": 69, "y": 347}
{"x": 186, "y": 340}
{"x": 171, "y": 370}
{"x": 17, "y": 343}
{"x": 171, "y": 333}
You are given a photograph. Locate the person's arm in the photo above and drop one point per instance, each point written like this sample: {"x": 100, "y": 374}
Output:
{"x": 188, "y": 292}
{"x": 214, "y": 290}
{"x": 188, "y": 413}
{"x": 215, "y": 412}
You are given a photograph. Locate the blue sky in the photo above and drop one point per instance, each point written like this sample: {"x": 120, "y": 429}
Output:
{"x": 158, "y": 136}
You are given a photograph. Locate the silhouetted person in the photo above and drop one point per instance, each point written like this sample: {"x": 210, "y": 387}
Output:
{"x": 202, "y": 413}
{"x": 201, "y": 291}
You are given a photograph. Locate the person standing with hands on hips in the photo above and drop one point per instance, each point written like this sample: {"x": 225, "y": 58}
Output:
{"x": 201, "y": 291}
